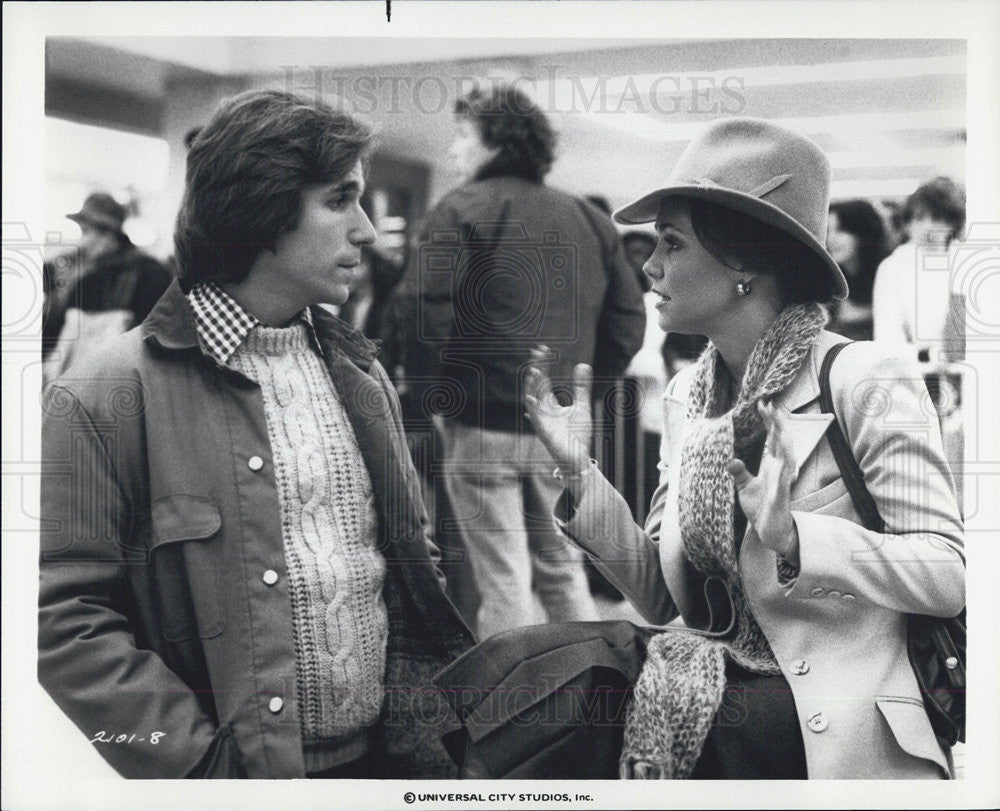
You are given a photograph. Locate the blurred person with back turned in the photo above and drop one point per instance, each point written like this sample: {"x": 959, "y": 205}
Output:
{"x": 235, "y": 571}
{"x": 110, "y": 290}
{"x": 505, "y": 262}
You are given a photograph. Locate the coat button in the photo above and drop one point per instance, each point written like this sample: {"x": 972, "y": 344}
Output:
{"x": 951, "y": 662}
{"x": 817, "y": 592}
{"x": 275, "y": 704}
{"x": 817, "y": 722}
{"x": 799, "y": 667}
{"x": 848, "y": 597}
{"x": 833, "y": 593}
{"x": 255, "y": 463}
{"x": 270, "y": 577}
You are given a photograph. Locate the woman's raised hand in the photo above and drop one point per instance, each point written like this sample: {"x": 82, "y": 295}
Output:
{"x": 766, "y": 498}
{"x": 564, "y": 430}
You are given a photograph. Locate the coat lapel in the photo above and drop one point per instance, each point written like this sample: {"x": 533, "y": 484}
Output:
{"x": 806, "y": 425}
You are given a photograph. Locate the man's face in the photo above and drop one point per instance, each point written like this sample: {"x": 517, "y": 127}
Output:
{"x": 638, "y": 251}
{"x": 95, "y": 242}
{"x": 925, "y": 229}
{"x": 314, "y": 264}
{"x": 468, "y": 153}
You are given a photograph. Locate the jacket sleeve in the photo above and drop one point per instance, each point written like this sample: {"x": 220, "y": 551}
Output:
{"x": 88, "y": 658}
{"x": 600, "y": 523}
{"x": 410, "y": 474}
{"x": 917, "y": 565}
{"x": 622, "y": 323}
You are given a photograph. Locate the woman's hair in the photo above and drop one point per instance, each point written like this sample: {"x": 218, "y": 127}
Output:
{"x": 943, "y": 199}
{"x": 742, "y": 242}
{"x": 510, "y": 121}
{"x": 860, "y": 219}
{"x": 246, "y": 171}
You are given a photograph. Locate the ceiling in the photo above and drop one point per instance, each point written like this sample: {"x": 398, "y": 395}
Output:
{"x": 890, "y": 113}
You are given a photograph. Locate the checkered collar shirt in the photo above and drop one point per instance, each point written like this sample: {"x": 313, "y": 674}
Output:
{"x": 223, "y": 324}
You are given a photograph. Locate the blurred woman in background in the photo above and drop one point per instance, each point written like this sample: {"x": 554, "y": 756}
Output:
{"x": 858, "y": 241}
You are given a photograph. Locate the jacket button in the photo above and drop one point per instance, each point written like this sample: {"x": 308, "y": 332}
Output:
{"x": 817, "y": 722}
{"x": 270, "y": 577}
{"x": 255, "y": 463}
{"x": 799, "y": 667}
{"x": 817, "y": 592}
{"x": 833, "y": 593}
{"x": 848, "y": 597}
{"x": 275, "y": 704}
{"x": 951, "y": 662}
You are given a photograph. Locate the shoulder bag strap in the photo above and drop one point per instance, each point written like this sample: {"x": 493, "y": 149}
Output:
{"x": 850, "y": 471}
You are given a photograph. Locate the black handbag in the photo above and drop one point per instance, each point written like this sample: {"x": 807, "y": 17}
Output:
{"x": 936, "y": 645}
{"x": 544, "y": 701}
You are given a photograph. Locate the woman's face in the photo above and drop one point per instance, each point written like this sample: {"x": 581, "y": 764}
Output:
{"x": 697, "y": 292}
{"x": 842, "y": 245}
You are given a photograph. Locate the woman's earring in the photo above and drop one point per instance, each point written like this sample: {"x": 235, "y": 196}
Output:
{"x": 742, "y": 288}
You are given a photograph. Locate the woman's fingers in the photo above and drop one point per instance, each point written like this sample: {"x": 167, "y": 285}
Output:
{"x": 537, "y": 383}
{"x": 739, "y": 472}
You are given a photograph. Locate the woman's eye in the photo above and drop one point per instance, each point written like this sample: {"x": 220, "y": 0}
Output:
{"x": 339, "y": 202}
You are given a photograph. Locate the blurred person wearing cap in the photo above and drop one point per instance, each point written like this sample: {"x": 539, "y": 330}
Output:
{"x": 112, "y": 288}
{"x": 505, "y": 261}
{"x": 801, "y": 610}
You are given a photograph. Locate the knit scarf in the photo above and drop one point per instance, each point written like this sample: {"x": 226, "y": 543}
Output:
{"x": 681, "y": 684}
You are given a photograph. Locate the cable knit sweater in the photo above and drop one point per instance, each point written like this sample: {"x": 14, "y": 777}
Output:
{"x": 329, "y": 529}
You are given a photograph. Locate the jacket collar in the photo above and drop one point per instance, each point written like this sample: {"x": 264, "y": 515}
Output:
{"x": 335, "y": 334}
{"x": 806, "y": 427}
{"x": 171, "y": 326}
{"x": 504, "y": 167}
{"x": 804, "y": 388}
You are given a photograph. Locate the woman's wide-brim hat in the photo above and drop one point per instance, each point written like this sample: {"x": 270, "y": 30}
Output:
{"x": 758, "y": 168}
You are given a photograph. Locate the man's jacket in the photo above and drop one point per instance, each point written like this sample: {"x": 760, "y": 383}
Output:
{"x": 505, "y": 264}
{"x": 161, "y": 618}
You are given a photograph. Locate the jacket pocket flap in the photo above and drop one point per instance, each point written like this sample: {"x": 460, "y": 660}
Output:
{"x": 820, "y": 499}
{"x": 184, "y": 518}
{"x": 911, "y": 728}
{"x": 535, "y": 680}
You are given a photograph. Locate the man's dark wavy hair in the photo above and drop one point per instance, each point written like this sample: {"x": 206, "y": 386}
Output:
{"x": 943, "y": 199}
{"x": 507, "y": 119}
{"x": 246, "y": 171}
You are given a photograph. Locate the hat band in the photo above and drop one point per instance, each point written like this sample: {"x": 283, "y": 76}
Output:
{"x": 764, "y": 188}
